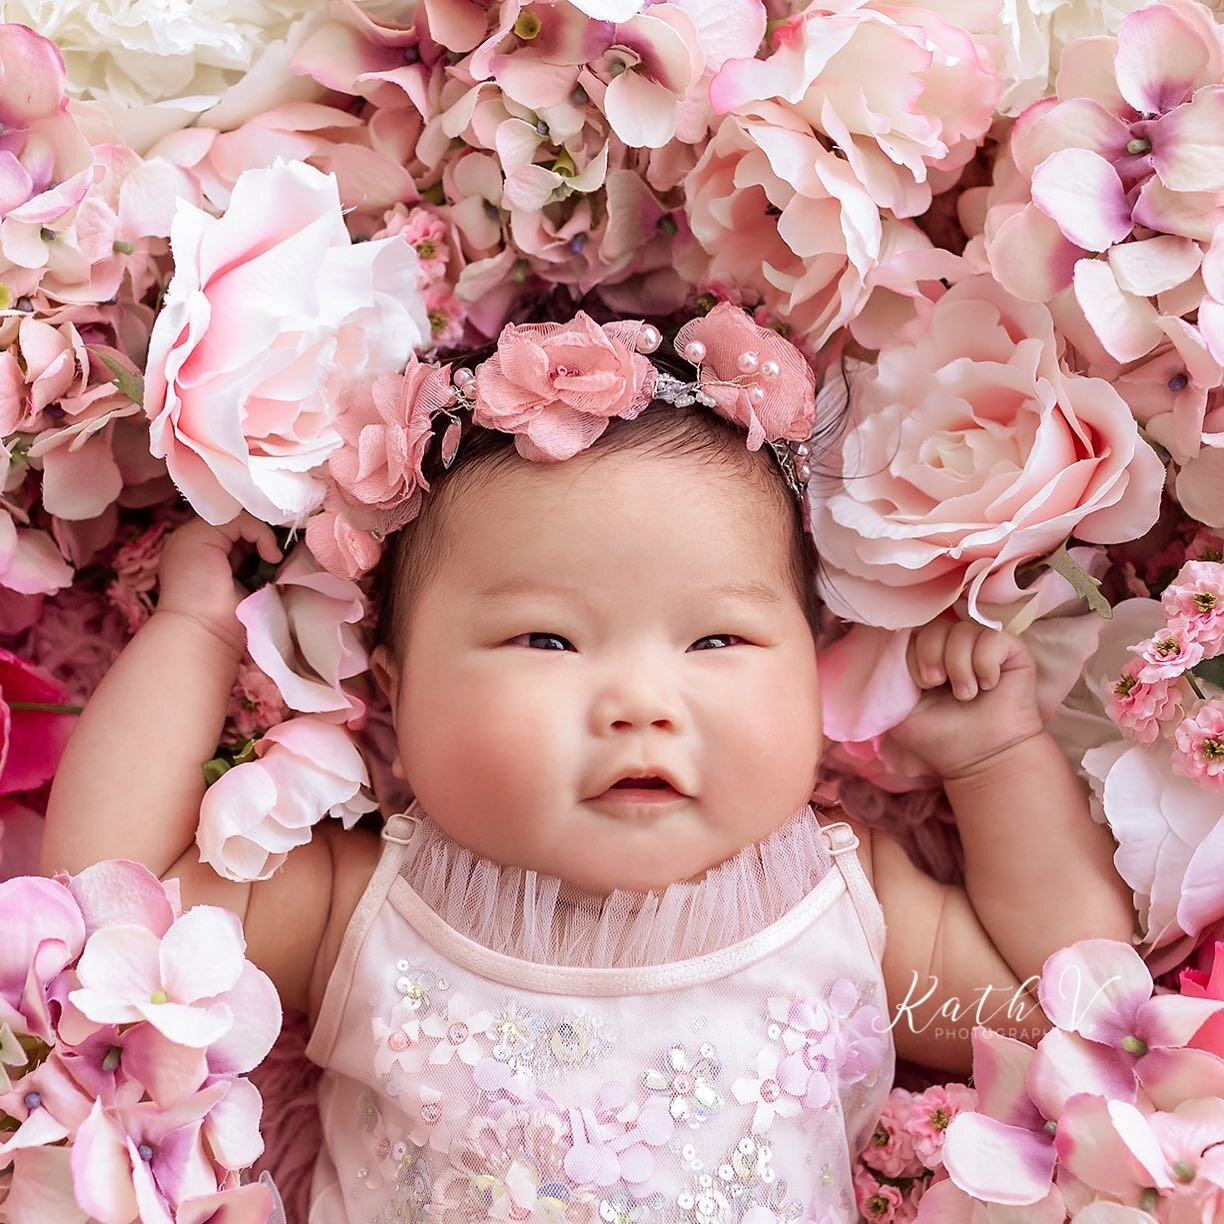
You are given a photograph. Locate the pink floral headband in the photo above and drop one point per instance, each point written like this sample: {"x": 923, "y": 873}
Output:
{"x": 555, "y": 386}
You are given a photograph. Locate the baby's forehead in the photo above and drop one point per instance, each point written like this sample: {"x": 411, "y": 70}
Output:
{"x": 662, "y": 517}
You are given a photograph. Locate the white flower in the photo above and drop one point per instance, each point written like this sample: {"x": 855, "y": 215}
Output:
{"x": 1034, "y": 33}
{"x": 771, "y": 1101}
{"x": 133, "y": 54}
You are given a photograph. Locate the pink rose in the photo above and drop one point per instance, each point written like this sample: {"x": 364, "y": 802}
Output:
{"x": 1139, "y": 708}
{"x": 255, "y": 813}
{"x": 556, "y": 385}
{"x": 774, "y": 391}
{"x": 31, "y": 741}
{"x": 269, "y": 314}
{"x": 969, "y": 452}
{"x": 1198, "y": 745}
{"x": 304, "y": 632}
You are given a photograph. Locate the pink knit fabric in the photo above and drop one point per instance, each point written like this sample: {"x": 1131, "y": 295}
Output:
{"x": 554, "y": 1069}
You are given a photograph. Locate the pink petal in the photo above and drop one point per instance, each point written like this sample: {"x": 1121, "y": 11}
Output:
{"x": 34, "y": 911}
{"x": 1200, "y": 486}
{"x": 250, "y": 1204}
{"x": 640, "y": 111}
{"x": 119, "y": 962}
{"x": 1171, "y": 1020}
{"x": 865, "y": 685}
{"x": 1066, "y": 1064}
{"x": 1159, "y": 56}
{"x": 231, "y": 1128}
{"x": 202, "y": 954}
{"x": 41, "y": 1188}
{"x": 1078, "y": 123}
{"x": 197, "y": 1026}
{"x": 1030, "y": 257}
{"x": 1171, "y": 1076}
{"x": 1000, "y": 1065}
{"x": 1095, "y": 988}
{"x": 1188, "y": 143}
{"x": 256, "y": 1006}
{"x": 1088, "y": 1142}
{"x": 101, "y": 1171}
{"x": 121, "y": 892}
{"x": 1154, "y": 265}
{"x": 1126, "y": 325}
{"x": 168, "y": 1071}
{"x": 32, "y": 70}
{"x": 1082, "y": 193}
{"x": 996, "y": 1162}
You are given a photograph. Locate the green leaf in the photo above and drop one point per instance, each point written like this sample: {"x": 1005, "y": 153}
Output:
{"x": 214, "y": 769}
{"x": 1211, "y": 670}
{"x": 245, "y": 753}
{"x": 1082, "y": 582}
{"x": 132, "y": 385}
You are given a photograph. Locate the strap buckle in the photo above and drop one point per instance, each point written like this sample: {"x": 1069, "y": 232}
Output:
{"x": 840, "y": 836}
{"x": 400, "y": 823}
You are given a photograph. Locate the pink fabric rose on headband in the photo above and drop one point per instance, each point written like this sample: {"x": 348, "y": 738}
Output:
{"x": 556, "y": 385}
{"x": 757, "y": 379}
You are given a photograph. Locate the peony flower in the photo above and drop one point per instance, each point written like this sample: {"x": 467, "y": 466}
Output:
{"x": 303, "y": 632}
{"x": 1141, "y": 708}
{"x": 1194, "y": 603}
{"x": 755, "y": 377}
{"x": 1198, "y": 745}
{"x": 256, "y": 812}
{"x": 928, "y": 112}
{"x": 969, "y": 453}
{"x": 127, "y": 974}
{"x": 782, "y": 217}
{"x": 557, "y": 385}
{"x": 269, "y": 312}
{"x": 32, "y": 739}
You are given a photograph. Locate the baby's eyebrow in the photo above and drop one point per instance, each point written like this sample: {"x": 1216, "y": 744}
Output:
{"x": 757, "y": 592}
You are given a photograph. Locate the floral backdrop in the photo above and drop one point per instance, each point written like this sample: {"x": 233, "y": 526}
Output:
{"x": 1002, "y": 221}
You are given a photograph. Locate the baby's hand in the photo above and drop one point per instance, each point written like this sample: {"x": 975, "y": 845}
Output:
{"x": 197, "y": 579}
{"x": 980, "y": 699}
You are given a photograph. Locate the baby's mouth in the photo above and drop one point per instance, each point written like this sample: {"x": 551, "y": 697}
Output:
{"x": 641, "y": 784}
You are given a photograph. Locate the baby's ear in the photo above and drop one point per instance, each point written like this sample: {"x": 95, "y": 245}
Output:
{"x": 386, "y": 673}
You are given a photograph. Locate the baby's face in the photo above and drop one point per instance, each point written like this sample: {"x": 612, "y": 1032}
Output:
{"x": 582, "y": 627}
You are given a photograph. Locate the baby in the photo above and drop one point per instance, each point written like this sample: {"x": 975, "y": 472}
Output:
{"x": 610, "y": 964}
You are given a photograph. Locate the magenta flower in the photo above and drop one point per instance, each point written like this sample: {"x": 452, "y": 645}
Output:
{"x": 31, "y": 739}
{"x": 1198, "y": 745}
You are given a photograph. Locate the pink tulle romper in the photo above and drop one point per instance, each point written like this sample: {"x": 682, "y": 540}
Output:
{"x": 498, "y": 1047}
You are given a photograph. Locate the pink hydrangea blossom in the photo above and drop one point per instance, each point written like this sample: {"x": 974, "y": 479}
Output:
{"x": 1140, "y": 708}
{"x": 1198, "y": 745}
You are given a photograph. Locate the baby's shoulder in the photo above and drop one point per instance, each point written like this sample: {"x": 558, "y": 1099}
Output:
{"x": 864, "y": 833}
{"x": 354, "y": 856}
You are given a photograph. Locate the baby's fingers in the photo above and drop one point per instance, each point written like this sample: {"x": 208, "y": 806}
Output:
{"x": 958, "y": 659}
{"x": 926, "y": 654}
{"x": 989, "y": 652}
{"x": 247, "y": 527}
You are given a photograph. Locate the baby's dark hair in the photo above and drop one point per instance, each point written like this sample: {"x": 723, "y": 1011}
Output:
{"x": 413, "y": 554}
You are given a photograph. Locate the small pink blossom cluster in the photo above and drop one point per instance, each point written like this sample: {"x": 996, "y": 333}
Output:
{"x": 905, "y": 1152}
{"x": 127, "y": 1029}
{"x": 1158, "y": 694}
{"x": 1117, "y": 1112}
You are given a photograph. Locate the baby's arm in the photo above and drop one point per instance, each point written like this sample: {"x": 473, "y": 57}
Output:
{"x": 1038, "y": 868}
{"x": 130, "y": 781}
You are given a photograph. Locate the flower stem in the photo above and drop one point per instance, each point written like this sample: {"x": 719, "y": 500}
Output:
{"x": 1193, "y": 683}
{"x": 45, "y": 707}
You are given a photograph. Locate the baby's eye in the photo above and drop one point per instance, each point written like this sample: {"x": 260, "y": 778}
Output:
{"x": 530, "y": 639}
{"x": 728, "y": 638}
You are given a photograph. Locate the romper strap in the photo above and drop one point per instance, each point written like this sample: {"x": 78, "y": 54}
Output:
{"x": 843, "y": 841}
